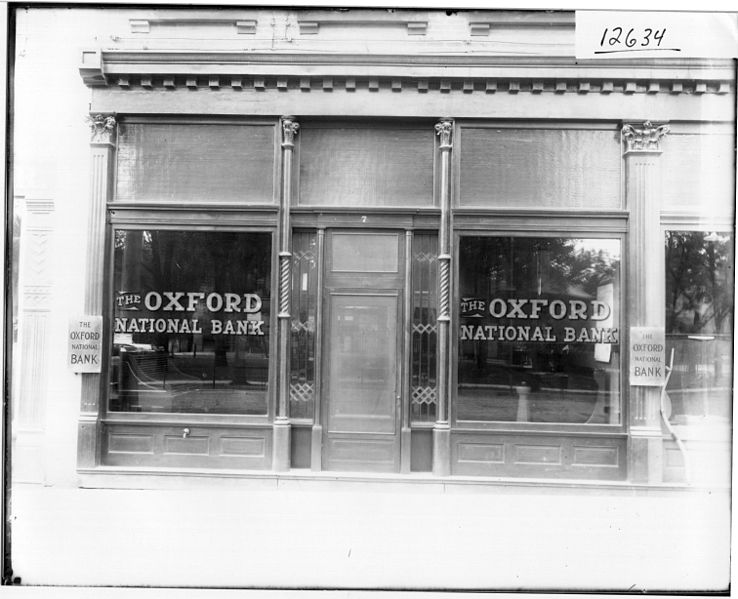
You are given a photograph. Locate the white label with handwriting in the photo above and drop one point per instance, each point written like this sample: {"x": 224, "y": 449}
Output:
{"x": 623, "y": 34}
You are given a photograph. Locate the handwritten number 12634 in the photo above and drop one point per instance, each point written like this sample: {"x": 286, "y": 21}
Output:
{"x": 648, "y": 38}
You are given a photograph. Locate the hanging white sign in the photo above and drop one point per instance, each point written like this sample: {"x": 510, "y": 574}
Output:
{"x": 85, "y": 343}
{"x": 647, "y": 356}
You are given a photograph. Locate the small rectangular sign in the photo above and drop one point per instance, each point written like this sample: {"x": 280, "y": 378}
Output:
{"x": 85, "y": 343}
{"x": 647, "y": 356}
{"x": 635, "y": 34}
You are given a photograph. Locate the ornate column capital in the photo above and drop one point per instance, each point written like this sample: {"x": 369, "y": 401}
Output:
{"x": 643, "y": 138}
{"x": 445, "y": 129}
{"x": 102, "y": 128}
{"x": 290, "y": 127}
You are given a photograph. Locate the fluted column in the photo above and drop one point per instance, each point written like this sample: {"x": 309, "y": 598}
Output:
{"x": 441, "y": 428}
{"x": 646, "y": 272}
{"x": 102, "y": 146}
{"x": 281, "y": 441}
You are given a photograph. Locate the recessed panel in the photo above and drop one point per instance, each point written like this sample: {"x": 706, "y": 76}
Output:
{"x": 365, "y": 252}
{"x": 537, "y": 454}
{"x": 595, "y": 456}
{"x": 189, "y": 445}
{"x": 124, "y": 443}
{"x": 360, "y": 451}
{"x": 481, "y": 452}
{"x": 251, "y": 446}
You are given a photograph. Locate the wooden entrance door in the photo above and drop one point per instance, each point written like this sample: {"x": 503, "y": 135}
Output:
{"x": 362, "y": 368}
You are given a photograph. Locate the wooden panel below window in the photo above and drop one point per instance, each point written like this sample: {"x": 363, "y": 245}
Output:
{"x": 128, "y": 443}
{"x": 537, "y": 455}
{"x": 485, "y": 453}
{"x": 197, "y": 447}
{"x": 421, "y": 450}
{"x": 354, "y": 454}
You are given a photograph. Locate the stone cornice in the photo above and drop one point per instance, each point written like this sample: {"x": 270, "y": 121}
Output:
{"x": 419, "y": 73}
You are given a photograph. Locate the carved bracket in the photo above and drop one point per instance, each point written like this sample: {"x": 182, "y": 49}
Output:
{"x": 102, "y": 128}
{"x": 643, "y": 138}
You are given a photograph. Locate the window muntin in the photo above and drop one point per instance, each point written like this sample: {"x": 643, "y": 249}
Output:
{"x": 539, "y": 330}
{"x": 699, "y": 324}
{"x": 191, "y": 312}
{"x": 195, "y": 162}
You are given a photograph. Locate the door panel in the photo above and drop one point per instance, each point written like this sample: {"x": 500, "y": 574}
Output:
{"x": 362, "y": 363}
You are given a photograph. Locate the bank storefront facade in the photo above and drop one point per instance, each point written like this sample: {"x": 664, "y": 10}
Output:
{"x": 317, "y": 255}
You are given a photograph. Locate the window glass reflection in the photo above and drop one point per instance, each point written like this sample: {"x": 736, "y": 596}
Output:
{"x": 539, "y": 330}
{"x": 190, "y": 322}
{"x": 699, "y": 324}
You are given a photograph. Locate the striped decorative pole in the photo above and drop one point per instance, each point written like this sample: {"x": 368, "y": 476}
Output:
{"x": 281, "y": 442}
{"x": 441, "y": 429}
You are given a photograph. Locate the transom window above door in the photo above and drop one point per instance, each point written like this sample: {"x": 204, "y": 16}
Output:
{"x": 355, "y": 165}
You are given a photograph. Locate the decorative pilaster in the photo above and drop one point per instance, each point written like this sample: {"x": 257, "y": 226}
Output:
{"x": 281, "y": 428}
{"x": 103, "y": 129}
{"x": 642, "y": 150}
{"x": 35, "y": 297}
{"x": 441, "y": 429}
{"x": 405, "y": 432}
{"x": 316, "y": 442}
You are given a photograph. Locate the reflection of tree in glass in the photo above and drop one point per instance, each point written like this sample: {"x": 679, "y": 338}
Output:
{"x": 553, "y": 265}
{"x": 699, "y": 280}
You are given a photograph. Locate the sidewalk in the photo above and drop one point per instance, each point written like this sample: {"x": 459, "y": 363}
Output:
{"x": 353, "y": 536}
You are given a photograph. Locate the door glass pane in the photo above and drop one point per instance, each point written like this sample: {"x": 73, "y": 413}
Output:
{"x": 302, "y": 347}
{"x": 699, "y": 325}
{"x": 362, "y": 367}
{"x": 191, "y": 322}
{"x": 539, "y": 330}
{"x": 424, "y": 328}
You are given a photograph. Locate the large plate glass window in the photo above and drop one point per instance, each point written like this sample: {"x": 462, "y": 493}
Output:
{"x": 191, "y": 316}
{"x": 699, "y": 325}
{"x": 539, "y": 330}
